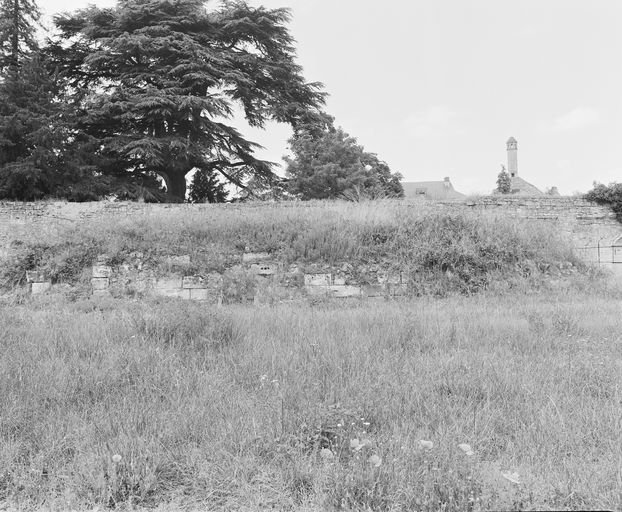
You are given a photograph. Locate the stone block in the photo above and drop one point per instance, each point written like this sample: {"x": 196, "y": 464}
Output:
{"x": 373, "y": 290}
{"x": 179, "y": 293}
{"x": 193, "y": 282}
{"x": 339, "y": 280}
{"x": 318, "y": 279}
{"x": 199, "y": 294}
{"x": 264, "y": 270}
{"x": 345, "y": 291}
{"x": 36, "y": 276}
{"x": 314, "y": 290}
{"x": 169, "y": 283}
{"x": 100, "y": 283}
{"x": 40, "y": 287}
{"x": 101, "y": 271}
{"x": 251, "y": 257}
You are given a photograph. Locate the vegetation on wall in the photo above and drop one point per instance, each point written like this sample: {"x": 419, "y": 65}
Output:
{"x": 439, "y": 252}
{"x": 610, "y": 195}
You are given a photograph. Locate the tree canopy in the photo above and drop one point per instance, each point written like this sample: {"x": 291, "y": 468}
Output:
{"x": 133, "y": 99}
{"x": 155, "y": 82}
{"x": 327, "y": 163}
{"x": 18, "y": 23}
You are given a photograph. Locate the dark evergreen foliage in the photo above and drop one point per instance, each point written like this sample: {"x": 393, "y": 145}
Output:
{"x": 328, "y": 164}
{"x": 156, "y": 82}
{"x": 18, "y": 23}
{"x": 42, "y": 153}
{"x": 206, "y": 188}
{"x": 504, "y": 182}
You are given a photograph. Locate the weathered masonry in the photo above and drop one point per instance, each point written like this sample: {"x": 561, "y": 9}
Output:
{"x": 593, "y": 229}
{"x": 257, "y": 278}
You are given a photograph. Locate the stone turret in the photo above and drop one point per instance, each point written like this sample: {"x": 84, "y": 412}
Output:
{"x": 512, "y": 146}
{"x": 518, "y": 185}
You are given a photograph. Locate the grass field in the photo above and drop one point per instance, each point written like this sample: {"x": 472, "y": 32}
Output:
{"x": 173, "y": 405}
{"x": 508, "y": 344}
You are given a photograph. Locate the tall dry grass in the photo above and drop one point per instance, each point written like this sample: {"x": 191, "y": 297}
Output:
{"x": 256, "y": 409}
{"x": 440, "y": 250}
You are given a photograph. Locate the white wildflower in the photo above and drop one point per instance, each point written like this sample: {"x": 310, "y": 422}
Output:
{"x": 512, "y": 477}
{"x": 425, "y": 445}
{"x": 466, "y": 448}
{"x": 375, "y": 461}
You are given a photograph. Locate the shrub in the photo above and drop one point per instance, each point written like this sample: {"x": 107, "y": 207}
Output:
{"x": 610, "y": 195}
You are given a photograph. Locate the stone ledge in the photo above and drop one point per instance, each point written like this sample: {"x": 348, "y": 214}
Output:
{"x": 101, "y": 271}
{"x": 36, "y": 276}
{"x": 40, "y": 287}
{"x": 100, "y": 283}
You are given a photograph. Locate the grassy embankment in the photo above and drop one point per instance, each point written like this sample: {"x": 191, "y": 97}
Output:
{"x": 236, "y": 408}
{"x": 440, "y": 252}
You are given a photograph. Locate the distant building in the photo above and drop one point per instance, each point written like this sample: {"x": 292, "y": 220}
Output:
{"x": 435, "y": 190}
{"x": 520, "y": 187}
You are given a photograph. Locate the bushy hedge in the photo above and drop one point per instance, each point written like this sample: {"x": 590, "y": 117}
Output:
{"x": 607, "y": 194}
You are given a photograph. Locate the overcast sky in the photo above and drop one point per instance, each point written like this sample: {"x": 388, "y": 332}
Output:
{"x": 436, "y": 87}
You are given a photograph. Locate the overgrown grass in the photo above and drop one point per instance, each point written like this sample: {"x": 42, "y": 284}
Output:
{"x": 439, "y": 250}
{"x": 255, "y": 409}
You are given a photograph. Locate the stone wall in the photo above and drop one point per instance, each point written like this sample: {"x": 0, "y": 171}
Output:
{"x": 258, "y": 277}
{"x": 591, "y": 227}
{"x": 584, "y": 221}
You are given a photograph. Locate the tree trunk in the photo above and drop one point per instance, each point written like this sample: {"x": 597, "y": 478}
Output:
{"x": 175, "y": 182}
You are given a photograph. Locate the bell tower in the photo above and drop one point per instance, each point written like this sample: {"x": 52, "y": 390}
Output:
{"x": 512, "y": 146}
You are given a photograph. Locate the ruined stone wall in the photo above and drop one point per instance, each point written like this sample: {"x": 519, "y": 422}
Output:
{"x": 586, "y": 223}
{"x": 583, "y": 221}
{"x": 592, "y": 229}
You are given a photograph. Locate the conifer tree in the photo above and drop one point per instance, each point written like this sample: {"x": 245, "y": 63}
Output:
{"x": 504, "y": 182}
{"x": 42, "y": 151}
{"x": 157, "y": 82}
{"x": 18, "y": 24}
{"x": 206, "y": 188}
{"x": 327, "y": 163}
{"x": 26, "y": 156}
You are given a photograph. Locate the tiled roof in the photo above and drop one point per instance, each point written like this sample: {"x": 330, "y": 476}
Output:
{"x": 431, "y": 190}
{"x": 523, "y": 188}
